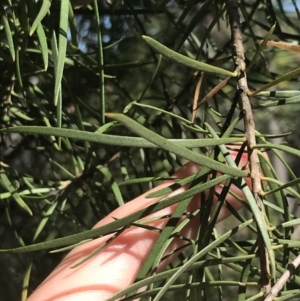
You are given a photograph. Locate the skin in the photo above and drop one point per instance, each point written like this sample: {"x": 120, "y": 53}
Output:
{"x": 117, "y": 265}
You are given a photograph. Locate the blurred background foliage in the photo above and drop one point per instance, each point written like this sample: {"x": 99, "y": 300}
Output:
{"x": 70, "y": 184}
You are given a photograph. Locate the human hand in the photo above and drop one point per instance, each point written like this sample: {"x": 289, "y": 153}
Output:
{"x": 116, "y": 266}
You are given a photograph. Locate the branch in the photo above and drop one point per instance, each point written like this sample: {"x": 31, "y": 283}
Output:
{"x": 242, "y": 88}
{"x": 283, "y": 279}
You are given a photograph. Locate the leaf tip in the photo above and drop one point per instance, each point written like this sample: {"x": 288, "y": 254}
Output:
{"x": 146, "y": 38}
{"x": 109, "y": 115}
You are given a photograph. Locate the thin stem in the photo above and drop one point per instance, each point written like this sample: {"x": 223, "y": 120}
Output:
{"x": 100, "y": 63}
{"x": 283, "y": 279}
{"x": 242, "y": 88}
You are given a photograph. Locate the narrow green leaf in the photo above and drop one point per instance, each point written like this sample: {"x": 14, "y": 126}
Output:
{"x": 280, "y": 102}
{"x": 5, "y": 183}
{"x": 9, "y": 37}
{"x": 261, "y": 46}
{"x": 47, "y": 122}
{"x": 268, "y": 171}
{"x": 279, "y": 94}
{"x": 24, "y": 22}
{"x": 42, "y": 13}
{"x": 193, "y": 22}
{"x": 284, "y": 148}
{"x": 47, "y": 213}
{"x": 62, "y": 48}
{"x": 68, "y": 248}
{"x": 168, "y": 273}
{"x": 73, "y": 28}
{"x": 59, "y": 114}
{"x": 160, "y": 245}
{"x": 253, "y": 205}
{"x": 159, "y": 110}
{"x": 282, "y": 186}
{"x": 296, "y": 9}
{"x": 26, "y": 280}
{"x": 181, "y": 151}
{"x": 44, "y": 47}
{"x": 173, "y": 55}
{"x": 18, "y": 67}
{"x": 151, "y": 80}
{"x": 200, "y": 254}
{"x": 20, "y": 114}
{"x": 280, "y": 157}
{"x": 203, "y": 172}
{"x": 100, "y": 63}
{"x": 273, "y": 17}
{"x": 114, "y": 185}
{"x": 27, "y": 192}
{"x": 54, "y": 48}
{"x": 118, "y": 224}
{"x": 294, "y": 222}
{"x": 273, "y": 136}
{"x": 282, "y": 78}
{"x": 167, "y": 190}
{"x": 123, "y": 141}
{"x": 58, "y": 103}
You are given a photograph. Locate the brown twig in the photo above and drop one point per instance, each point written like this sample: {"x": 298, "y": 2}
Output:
{"x": 242, "y": 87}
{"x": 197, "y": 95}
{"x": 283, "y": 279}
{"x": 213, "y": 91}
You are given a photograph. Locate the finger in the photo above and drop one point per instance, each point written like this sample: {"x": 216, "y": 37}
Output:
{"x": 117, "y": 265}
